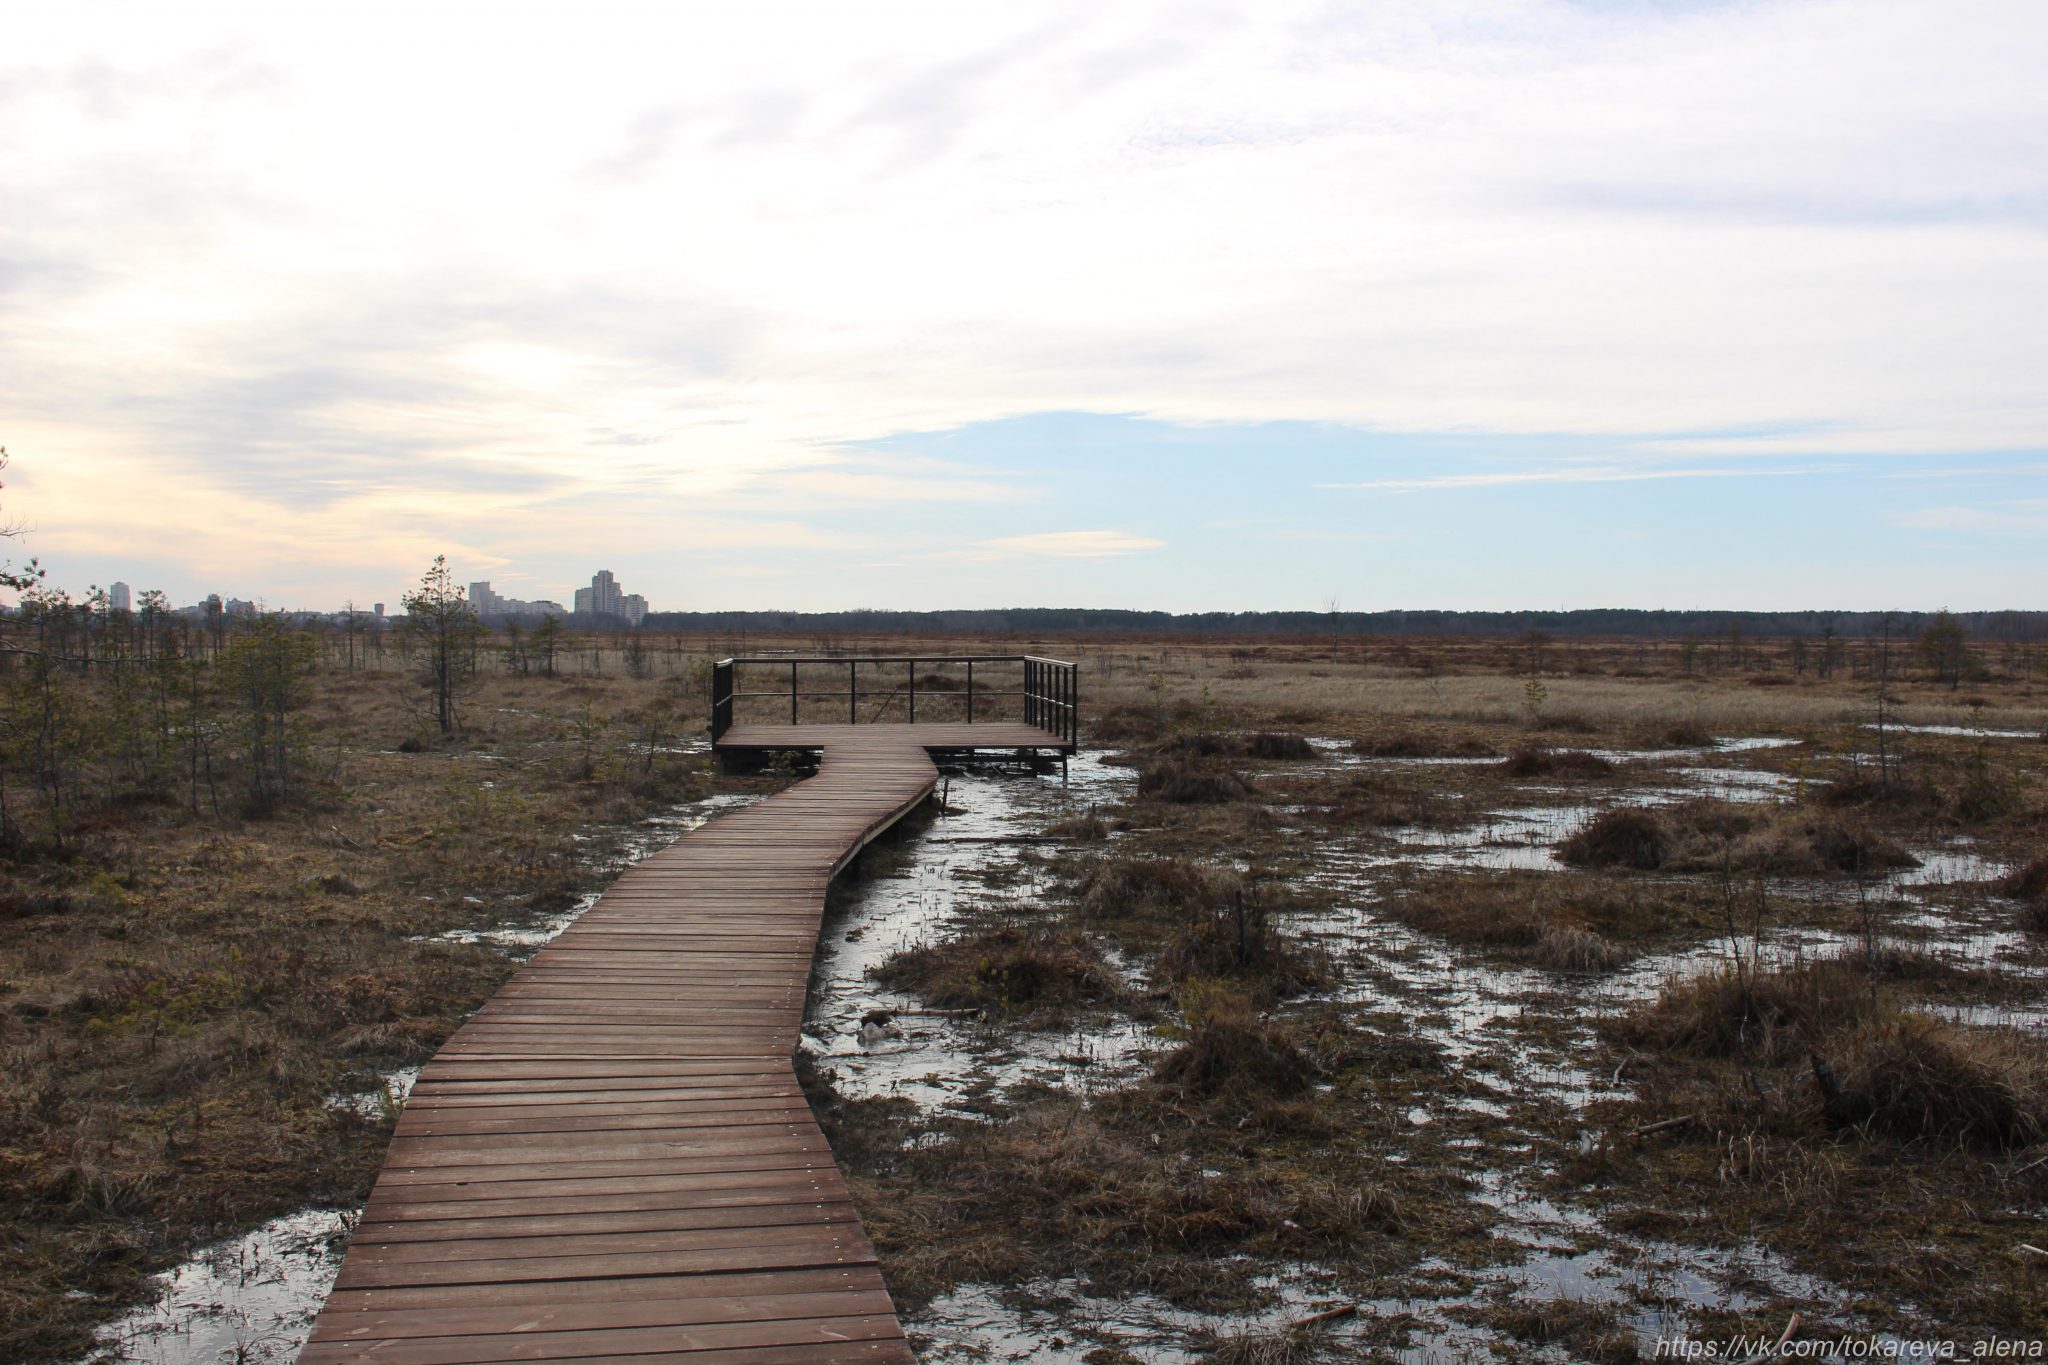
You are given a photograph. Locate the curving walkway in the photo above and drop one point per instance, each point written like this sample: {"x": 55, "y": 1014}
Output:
{"x": 612, "y": 1160}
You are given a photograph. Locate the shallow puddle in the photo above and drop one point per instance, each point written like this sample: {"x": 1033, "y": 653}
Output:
{"x": 967, "y": 861}
{"x": 251, "y": 1299}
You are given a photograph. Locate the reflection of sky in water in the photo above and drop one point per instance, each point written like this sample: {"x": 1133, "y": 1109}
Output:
{"x": 253, "y": 1298}
{"x": 256, "y": 1295}
{"x": 249, "y": 1299}
{"x": 914, "y": 895}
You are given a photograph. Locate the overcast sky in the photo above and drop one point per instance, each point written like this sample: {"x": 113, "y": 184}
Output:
{"x": 1487, "y": 304}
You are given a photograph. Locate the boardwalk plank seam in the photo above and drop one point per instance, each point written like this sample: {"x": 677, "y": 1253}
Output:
{"x": 613, "y": 1159}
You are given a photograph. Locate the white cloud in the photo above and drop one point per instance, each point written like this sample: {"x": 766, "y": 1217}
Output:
{"x": 680, "y": 254}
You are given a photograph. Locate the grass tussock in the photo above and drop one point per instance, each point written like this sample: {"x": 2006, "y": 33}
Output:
{"x": 1089, "y": 827}
{"x": 1844, "y": 1056}
{"x": 1622, "y": 837}
{"x": 1376, "y": 801}
{"x": 1771, "y": 1017}
{"x": 1126, "y": 887}
{"x": 1182, "y": 782}
{"x": 1006, "y": 970}
{"x": 1563, "y": 923}
{"x": 1709, "y": 836}
{"x": 1565, "y": 948}
{"x": 1267, "y": 745}
{"x": 1681, "y": 734}
{"x": 1279, "y": 745}
{"x": 1420, "y": 743}
{"x": 1235, "y": 939}
{"x": 1232, "y": 1057}
{"x": 1916, "y": 1078}
{"x": 1564, "y": 763}
{"x": 2029, "y": 885}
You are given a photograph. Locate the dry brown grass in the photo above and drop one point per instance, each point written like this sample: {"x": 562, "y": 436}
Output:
{"x": 1379, "y": 801}
{"x": 1566, "y": 923}
{"x": 1622, "y": 837}
{"x": 1123, "y": 887}
{"x": 1007, "y": 970}
{"x": 1232, "y": 1056}
{"x": 1851, "y": 1057}
{"x": 1422, "y": 743}
{"x": 180, "y": 997}
{"x": 1915, "y": 1078}
{"x": 2029, "y": 885}
{"x": 1183, "y": 782}
{"x": 1771, "y": 1017}
{"x": 1567, "y": 763}
{"x": 2029, "y": 882}
{"x": 1711, "y": 836}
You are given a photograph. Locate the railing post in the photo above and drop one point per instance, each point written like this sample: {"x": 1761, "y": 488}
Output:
{"x": 1074, "y": 706}
{"x": 970, "y": 691}
{"x": 721, "y": 697}
{"x": 792, "y": 691}
{"x": 913, "y": 691}
{"x": 853, "y": 691}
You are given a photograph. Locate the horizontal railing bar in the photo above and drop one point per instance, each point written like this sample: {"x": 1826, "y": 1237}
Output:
{"x": 979, "y": 692}
{"x": 845, "y": 659}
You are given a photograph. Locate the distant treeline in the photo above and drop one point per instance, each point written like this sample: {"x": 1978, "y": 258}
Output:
{"x": 1598, "y": 622}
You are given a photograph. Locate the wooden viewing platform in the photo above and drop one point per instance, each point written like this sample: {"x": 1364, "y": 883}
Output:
{"x": 612, "y": 1160}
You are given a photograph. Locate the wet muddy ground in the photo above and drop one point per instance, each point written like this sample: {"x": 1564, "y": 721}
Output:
{"x": 1552, "y": 1277}
{"x": 1518, "y": 1043}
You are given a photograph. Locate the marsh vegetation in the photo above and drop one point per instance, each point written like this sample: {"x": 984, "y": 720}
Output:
{"x": 1366, "y": 1000}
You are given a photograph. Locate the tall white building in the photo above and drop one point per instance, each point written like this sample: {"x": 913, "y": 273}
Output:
{"x": 603, "y": 598}
{"x": 118, "y": 596}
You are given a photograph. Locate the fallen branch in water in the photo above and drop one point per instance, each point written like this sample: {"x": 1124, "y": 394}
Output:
{"x": 1778, "y": 1350}
{"x": 1661, "y": 1124}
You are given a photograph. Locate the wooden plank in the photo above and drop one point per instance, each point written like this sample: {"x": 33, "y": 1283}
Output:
{"x": 613, "y": 1159}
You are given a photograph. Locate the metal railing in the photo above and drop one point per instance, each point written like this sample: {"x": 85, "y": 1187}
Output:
{"x": 1048, "y": 690}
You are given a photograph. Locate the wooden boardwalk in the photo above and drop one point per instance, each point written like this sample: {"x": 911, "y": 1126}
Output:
{"x": 612, "y": 1160}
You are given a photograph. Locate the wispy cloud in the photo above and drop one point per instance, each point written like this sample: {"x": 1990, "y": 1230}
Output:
{"x": 1569, "y": 474}
{"x": 2024, "y": 517}
{"x": 1064, "y": 545}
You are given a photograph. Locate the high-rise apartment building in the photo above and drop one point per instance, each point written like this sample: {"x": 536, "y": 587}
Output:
{"x": 603, "y": 598}
{"x": 118, "y": 596}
